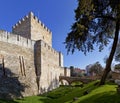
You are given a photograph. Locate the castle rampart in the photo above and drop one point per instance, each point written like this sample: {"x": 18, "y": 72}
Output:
{"x": 18, "y": 66}
{"x": 27, "y": 60}
{"x": 49, "y": 61}
{"x": 16, "y": 39}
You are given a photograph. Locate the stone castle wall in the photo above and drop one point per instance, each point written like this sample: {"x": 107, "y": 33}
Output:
{"x": 20, "y": 76}
{"x": 39, "y": 31}
{"x": 48, "y": 67}
{"x": 31, "y": 65}
{"x": 16, "y": 39}
{"x": 22, "y": 28}
{"x": 42, "y": 64}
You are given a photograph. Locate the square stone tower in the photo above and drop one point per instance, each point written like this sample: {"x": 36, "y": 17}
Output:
{"x": 32, "y": 28}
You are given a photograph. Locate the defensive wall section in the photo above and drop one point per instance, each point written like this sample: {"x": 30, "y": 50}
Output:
{"x": 28, "y": 63}
{"x": 50, "y": 61}
{"x": 18, "y": 77}
{"x": 16, "y": 39}
{"x": 35, "y": 63}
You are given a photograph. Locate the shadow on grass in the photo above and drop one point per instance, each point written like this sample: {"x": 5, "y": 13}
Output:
{"x": 46, "y": 100}
{"x": 66, "y": 93}
{"x": 107, "y": 97}
{"x": 7, "y": 101}
{"x": 56, "y": 95}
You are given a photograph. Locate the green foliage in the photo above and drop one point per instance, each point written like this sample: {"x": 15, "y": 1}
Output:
{"x": 96, "y": 68}
{"x": 94, "y": 24}
{"x": 7, "y": 101}
{"x": 59, "y": 95}
{"x": 101, "y": 94}
{"x": 71, "y": 70}
{"x": 76, "y": 83}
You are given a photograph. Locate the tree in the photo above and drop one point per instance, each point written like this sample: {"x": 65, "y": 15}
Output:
{"x": 96, "y": 22}
{"x": 87, "y": 69}
{"x": 105, "y": 59}
{"x": 72, "y": 71}
{"x": 96, "y": 68}
{"x": 117, "y": 53}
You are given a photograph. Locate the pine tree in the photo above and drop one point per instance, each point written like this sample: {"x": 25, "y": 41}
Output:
{"x": 96, "y": 22}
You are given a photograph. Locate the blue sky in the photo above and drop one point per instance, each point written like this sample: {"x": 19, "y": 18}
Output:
{"x": 58, "y": 16}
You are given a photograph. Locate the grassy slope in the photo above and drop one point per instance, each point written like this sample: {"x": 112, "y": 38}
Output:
{"x": 102, "y": 94}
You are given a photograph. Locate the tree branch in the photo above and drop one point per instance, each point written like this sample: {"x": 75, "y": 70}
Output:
{"x": 106, "y": 17}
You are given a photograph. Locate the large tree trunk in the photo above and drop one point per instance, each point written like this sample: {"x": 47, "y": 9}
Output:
{"x": 109, "y": 61}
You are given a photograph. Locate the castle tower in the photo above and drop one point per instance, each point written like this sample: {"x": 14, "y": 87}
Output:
{"x": 31, "y": 27}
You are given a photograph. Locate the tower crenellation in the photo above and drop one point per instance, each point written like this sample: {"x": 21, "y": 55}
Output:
{"x": 42, "y": 24}
{"x": 20, "y": 22}
{"x": 32, "y": 28}
{"x": 35, "y": 18}
{"x": 49, "y": 48}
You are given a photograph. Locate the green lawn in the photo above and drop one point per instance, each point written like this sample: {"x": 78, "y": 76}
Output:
{"x": 101, "y": 94}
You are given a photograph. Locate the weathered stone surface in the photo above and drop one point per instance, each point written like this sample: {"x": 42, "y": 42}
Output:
{"x": 28, "y": 63}
{"x": 12, "y": 55}
{"x": 31, "y": 27}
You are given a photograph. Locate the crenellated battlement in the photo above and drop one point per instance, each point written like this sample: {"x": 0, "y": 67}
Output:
{"x": 38, "y": 21}
{"x": 49, "y": 48}
{"x": 27, "y": 53}
{"x": 31, "y": 15}
{"x": 16, "y": 39}
{"x": 20, "y": 22}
